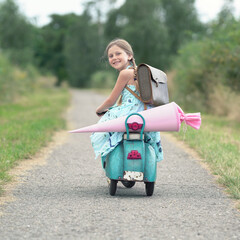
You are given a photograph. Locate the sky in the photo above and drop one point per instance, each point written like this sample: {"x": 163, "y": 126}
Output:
{"x": 39, "y": 10}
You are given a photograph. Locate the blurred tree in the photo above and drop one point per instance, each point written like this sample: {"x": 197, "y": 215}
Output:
{"x": 82, "y": 51}
{"x": 49, "y": 47}
{"x": 155, "y": 28}
{"x": 181, "y": 21}
{"x": 139, "y": 22}
{"x": 226, "y": 13}
{"x": 224, "y": 19}
{"x": 16, "y": 33}
{"x": 208, "y": 69}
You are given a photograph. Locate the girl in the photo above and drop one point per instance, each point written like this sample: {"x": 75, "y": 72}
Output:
{"x": 120, "y": 56}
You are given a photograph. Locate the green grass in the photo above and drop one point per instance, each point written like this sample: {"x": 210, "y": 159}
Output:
{"x": 218, "y": 143}
{"x": 28, "y": 125}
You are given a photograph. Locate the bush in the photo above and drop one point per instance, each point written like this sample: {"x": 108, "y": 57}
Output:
{"x": 7, "y": 82}
{"x": 208, "y": 73}
{"x": 103, "y": 79}
{"x": 224, "y": 102}
{"x": 15, "y": 82}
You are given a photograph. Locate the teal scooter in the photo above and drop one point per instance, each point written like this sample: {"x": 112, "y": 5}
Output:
{"x": 133, "y": 160}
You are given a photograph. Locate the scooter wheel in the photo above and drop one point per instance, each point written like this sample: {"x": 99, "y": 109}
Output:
{"x": 112, "y": 187}
{"x": 128, "y": 184}
{"x": 149, "y": 187}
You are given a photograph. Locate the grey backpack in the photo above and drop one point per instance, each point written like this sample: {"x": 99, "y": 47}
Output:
{"x": 152, "y": 85}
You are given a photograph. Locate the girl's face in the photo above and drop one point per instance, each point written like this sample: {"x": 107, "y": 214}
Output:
{"x": 118, "y": 58}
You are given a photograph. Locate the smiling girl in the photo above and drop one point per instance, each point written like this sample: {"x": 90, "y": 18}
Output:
{"x": 121, "y": 57}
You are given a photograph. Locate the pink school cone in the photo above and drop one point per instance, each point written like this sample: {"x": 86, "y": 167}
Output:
{"x": 164, "y": 118}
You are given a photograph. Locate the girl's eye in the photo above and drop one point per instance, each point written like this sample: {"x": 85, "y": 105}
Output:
{"x": 116, "y": 54}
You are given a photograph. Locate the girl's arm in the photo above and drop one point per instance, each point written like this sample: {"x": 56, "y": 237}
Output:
{"x": 123, "y": 78}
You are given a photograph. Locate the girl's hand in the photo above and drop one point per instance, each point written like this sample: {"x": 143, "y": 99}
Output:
{"x": 101, "y": 114}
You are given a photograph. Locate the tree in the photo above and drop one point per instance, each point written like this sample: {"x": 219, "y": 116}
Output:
{"x": 138, "y": 22}
{"x": 49, "y": 48}
{"x": 69, "y": 46}
{"x": 181, "y": 20}
{"x": 16, "y": 33}
{"x": 155, "y": 28}
{"x": 82, "y": 51}
{"x": 224, "y": 19}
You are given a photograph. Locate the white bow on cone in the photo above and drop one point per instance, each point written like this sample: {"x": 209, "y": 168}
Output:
{"x": 165, "y": 118}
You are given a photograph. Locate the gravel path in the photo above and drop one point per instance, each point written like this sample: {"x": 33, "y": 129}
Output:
{"x": 67, "y": 197}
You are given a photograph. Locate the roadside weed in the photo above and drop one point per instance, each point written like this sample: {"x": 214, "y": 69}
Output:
{"x": 218, "y": 143}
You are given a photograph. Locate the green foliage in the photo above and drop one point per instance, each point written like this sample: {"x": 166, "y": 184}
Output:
{"x": 70, "y": 46}
{"x": 16, "y": 33}
{"x": 155, "y": 28}
{"x": 49, "y": 47}
{"x": 224, "y": 55}
{"x": 182, "y": 23}
{"x": 209, "y": 67}
{"x": 12, "y": 23}
{"x": 14, "y": 81}
{"x": 82, "y": 51}
{"x": 103, "y": 79}
{"x": 188, "y": 80}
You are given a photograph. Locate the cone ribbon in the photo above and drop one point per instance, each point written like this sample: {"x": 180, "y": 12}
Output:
{"x": 165, "y": 118}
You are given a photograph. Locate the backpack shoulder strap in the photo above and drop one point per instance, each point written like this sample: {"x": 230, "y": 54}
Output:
{"x": 139, "y": 98}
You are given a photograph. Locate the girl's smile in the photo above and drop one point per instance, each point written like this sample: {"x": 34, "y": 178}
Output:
{"x": 118, "y": 58}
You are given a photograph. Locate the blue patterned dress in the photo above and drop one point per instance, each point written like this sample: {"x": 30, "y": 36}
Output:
{"x": 104, "y": 142}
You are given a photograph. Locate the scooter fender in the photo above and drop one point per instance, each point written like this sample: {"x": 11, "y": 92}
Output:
{"x": 150, "y": 171}
{"x": 114, "y": 163}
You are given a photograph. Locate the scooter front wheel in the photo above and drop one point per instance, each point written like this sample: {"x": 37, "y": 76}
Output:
{"x": 149, "y": 187}
{"x": 128, "y": 184}
{"x": 112, "y": 187}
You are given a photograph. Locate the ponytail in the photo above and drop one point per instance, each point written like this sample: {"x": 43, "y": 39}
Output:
{"x": 134, "y": 67}
{"x": 132, "y": 61}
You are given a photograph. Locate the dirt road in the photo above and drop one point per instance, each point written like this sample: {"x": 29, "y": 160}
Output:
{"x": 66, "y": 196}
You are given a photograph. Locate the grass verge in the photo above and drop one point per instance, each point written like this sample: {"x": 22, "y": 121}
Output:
{"x": 218, "y": 143}
{"x": 28, "y": 125}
